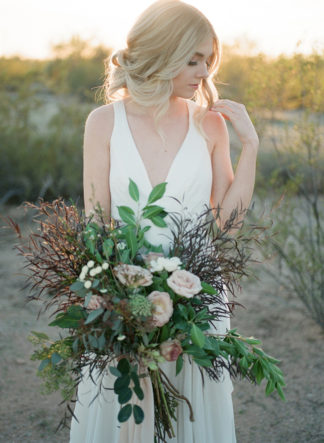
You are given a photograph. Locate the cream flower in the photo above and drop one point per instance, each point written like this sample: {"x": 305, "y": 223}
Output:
{"x": 162, "y": 307}
{"x": 184, "y": 283}
{"x": 169, "y": 264}
{"x": 133, "y": 276}
{"x": 151, "y": 256}
{"x": 87, "y": 284}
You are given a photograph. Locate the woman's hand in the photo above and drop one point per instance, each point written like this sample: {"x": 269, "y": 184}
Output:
{"x": 236, "y": 113}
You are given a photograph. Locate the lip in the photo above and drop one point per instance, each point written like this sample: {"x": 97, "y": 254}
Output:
{"x": 194, "y": 85}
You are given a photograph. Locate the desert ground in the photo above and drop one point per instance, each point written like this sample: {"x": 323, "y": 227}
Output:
{"x": 277, "y": 318}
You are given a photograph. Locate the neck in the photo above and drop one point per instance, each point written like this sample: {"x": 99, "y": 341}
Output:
{"x": 175, "y": 107}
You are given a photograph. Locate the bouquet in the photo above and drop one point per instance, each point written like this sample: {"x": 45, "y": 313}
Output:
{"x": 125, "y": 305}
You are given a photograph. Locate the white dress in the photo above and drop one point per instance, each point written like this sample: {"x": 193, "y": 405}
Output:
{"x": 189, "y": 180}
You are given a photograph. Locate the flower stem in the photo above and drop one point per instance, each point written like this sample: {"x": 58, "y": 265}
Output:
{"x": 165, "y": 402}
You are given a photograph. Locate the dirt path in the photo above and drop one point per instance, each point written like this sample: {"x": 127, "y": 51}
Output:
{"x": 280, "y": 321}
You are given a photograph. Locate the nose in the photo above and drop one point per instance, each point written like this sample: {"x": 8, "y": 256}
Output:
{"x": 203, "y": 72}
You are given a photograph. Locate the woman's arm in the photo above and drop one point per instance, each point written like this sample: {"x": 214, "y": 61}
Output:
{"x": 96, "y": 159}
{"x": 231, "y": 191}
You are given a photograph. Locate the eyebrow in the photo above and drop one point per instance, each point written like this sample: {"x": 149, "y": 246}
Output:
{"x": 199, "y": 54}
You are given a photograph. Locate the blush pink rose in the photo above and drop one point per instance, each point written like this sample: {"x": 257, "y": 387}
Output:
{"x": 133, "y": 276}
{"x": 184, "y": 283}
{"x": 162, "y": 307}
{"x": 171, "y": 349}
{"x": 96, "y": 302}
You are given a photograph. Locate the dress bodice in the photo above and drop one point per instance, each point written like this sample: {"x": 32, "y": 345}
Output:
{"x": 189, "y": 179}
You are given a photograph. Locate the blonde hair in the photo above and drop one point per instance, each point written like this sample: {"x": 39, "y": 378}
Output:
{"x": 159, "y": 45}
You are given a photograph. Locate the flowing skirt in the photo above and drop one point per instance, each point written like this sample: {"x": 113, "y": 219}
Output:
{"x": 211, "y": 402}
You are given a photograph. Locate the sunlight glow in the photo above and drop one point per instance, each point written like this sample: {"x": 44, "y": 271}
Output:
{"x": 30, "y": 27}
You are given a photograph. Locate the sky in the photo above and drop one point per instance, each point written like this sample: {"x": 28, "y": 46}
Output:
{"x": 29, "y": 27}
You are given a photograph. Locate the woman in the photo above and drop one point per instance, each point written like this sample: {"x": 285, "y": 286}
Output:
{"x": 153, "y": 132}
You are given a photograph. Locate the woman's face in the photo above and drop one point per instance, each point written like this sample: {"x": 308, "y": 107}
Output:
{"x": 188, "y": 80}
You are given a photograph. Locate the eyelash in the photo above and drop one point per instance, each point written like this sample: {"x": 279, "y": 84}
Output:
{"x": 192, "y": 63}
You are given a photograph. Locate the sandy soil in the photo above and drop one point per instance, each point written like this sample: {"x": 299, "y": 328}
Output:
{"x": 278, "y": 319}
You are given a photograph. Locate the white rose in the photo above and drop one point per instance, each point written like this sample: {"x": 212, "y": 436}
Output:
{"x": 184, "y": 283}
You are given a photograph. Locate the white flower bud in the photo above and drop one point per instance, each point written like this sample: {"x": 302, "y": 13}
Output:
{"x": 87, "y": 284}
{"x": 98, "y": 269}
{"x": 121, "y": 337}
{"x": 105, "y": 266}
{"x": 90, "y": 264}
{"x": 93, "y": 272}
{"x": 85, "y": 269}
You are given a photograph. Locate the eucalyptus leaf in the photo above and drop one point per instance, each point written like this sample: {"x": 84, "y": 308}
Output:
{"x": 55, "y": 358}
{"x": 125, "y": 395}
{"x": 121, "y": 383}
{"x": 138, "y": 414}
{"x": 125, "y": 413}
{"x": 139, "y": 392}
{"x": 93, "y": 315}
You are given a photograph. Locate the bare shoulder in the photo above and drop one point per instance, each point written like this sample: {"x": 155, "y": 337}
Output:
{"x": 100, "y": 122}
{"x": 215, "y": 127}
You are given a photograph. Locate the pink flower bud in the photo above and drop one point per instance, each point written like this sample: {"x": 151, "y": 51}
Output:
{"x": 171, "y": 349}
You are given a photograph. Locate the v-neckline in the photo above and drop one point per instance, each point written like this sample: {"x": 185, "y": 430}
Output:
{"x": 139, "y": 155}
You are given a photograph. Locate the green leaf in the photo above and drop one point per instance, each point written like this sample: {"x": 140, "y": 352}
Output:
{"x": 75, "y": 345}
{"x": 280, "y": 392}
{"x": 127, "y": 215}
{"x": 156, "y": 193}
{"x": 69, "y": 319}
{"x": 252, "y": 341}
{"x": 138, "y": 414}
{"x": 55, "y": 358}
{"x": 197, "y": 336}
{"x": 158, "y": 221}
{"x": 40, "y": 335}
{"x": 152, "y": 210}
{"x": 93, "y": 315}
{"x": 270, "y": 387}
{"x": 133, "y": 190}
{"x": 107, "y": 247}
{"x": 124, "y": 413}
{"x": 131, "y": 241}
{"x": 43, "y": 364}
{"x": 179, "y": 364}
{"x": 208, "y": 289}
{"x": 183, "y": 311}
{"x": 114, "y": 371}
{"x": 203, "y": 361}
{"x": 102, "y": 341}
{"x": 121, "y": 383}
{"x": 123, "y": 366}
{"x": 165, "y": 333}
{"x": 212, "y": 344}
{"x": 125, "y": 395}
{"x": 139, "y": 392}
{"x": 76, "y": 286}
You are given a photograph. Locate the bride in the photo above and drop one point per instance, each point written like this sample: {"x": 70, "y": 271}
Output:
{"x": 165, "y": 123}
